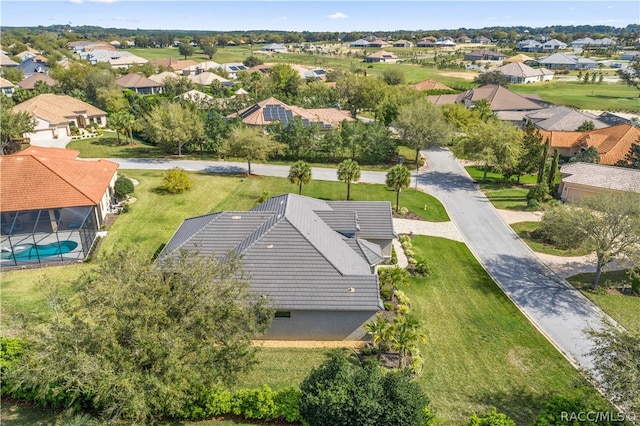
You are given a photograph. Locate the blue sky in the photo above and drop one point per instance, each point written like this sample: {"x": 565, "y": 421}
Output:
{"x": 317, "y": 15}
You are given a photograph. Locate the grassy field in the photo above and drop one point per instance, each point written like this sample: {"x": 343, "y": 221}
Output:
{"x": 624, "y": 308}
{"x": 603, "y": 97}
{"x": 524, "y": 230}
{"x": 106, "y": 146}
{"x": 503, "y": 194}
{"x": 481, "y": 351}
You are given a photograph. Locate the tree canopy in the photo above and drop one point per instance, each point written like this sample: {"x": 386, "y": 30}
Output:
{"x": 492, "y": 77}
{"x": 172, "y": 126}
{"x": 13, "y": 125}
{"x": 249, "y": 143}
{"x": 300, "y": 174}
{"x": 142, "y": 339}
{"x": 398, "y": 178}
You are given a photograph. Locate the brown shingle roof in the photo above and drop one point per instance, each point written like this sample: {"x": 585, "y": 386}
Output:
{"x": 57, "y": 109}
{"x": 30, "y": 82}
{"x": 430, "y": 85}
{"x": 45, "y": 178}
{"x": 501, "y": 98}
{"x": 181, "y": 64}
{"x": 5, "y": 83}
{"x": 137, "y": 81}
{"x": 383, "y": 54}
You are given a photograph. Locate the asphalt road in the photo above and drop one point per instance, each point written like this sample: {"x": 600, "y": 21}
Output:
{"x": 558, "y": 310}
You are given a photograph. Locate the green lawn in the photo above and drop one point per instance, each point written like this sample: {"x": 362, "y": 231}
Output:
{"x": 481, "y": 351}
{"x": 504, "y": 194}
{"x": 622, "y": 308}
{"x": 106, "y": 146}
{"x": 524, "y": 230}
{"x": 603, "y": 97}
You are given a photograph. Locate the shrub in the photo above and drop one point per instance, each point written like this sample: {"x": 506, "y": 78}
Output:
{"x": 557, "y": 407}
{"x": 492, "y": 418}
{"x": 422, "y": 267}
{"x": 385, "y": 292}
{"x": 388, "y": 306}
{"x": 401, "y": 297}
{"x": 404, "y": 211}
{"x": 288, "y": 404}
{"x": 212, "y": 402}
{"x": 403, "y": 309}
{"x": 10, "y": 350}
{"x": 540, "y": 192}
{"x": 176, "y": 181}
{"x": 556, "y": 229}
{"x": 255, "y": 403}
{"x": 394, "y": 256}
{"x": 634, "y": 274}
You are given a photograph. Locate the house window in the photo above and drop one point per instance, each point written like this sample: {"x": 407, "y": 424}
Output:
{"x": 283, "y": 314}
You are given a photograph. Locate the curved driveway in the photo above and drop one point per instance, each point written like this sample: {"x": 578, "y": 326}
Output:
{"x": 557, "y": 309}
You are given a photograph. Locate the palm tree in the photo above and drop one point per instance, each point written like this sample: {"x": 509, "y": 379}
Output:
{"x": 300, "y": 174}
{"x": 380, "y": 331}
{"x": 406, "y": 334}
{"x": 398, "y": 178}
{"x": 348, "y": 171}
{"x": 116, "y": 122}
{"x": 129, "y": 123}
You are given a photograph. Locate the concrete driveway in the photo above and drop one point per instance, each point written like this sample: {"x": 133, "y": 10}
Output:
{"x": 559, "y": 311}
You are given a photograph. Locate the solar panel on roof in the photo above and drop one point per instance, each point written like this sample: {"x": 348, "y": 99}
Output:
{"x": 249, "y": 111}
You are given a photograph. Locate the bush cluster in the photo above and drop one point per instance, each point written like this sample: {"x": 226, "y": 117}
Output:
{"x": 417, "y": 266}
{"x": 259, "y": 404}
{"x": 176, "y": 181}
{"x": 123, "y": 187}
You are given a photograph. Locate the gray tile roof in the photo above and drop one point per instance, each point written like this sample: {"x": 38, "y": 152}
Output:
{"x": 602, "y": 176}
{"x": 563, "y": 118}
{"x": 293, "y": 249}
{"x": 374, "y": 217}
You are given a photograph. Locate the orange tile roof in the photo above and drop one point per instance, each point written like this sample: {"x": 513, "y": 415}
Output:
{"x": 136, "y": 81}
{"x": 331, "y": 116}
{"x": 182, "y": 64}
{"x": 430, "y": 85}
{"x": 613, "y": 143}
{"x": 57, "y": 109}
{"x": 46, "y": 178}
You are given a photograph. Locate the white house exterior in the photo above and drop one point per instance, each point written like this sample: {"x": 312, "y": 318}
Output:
{"x": 520, "y": 73}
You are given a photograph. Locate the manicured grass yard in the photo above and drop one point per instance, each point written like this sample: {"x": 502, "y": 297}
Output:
{"x": 482, "y": 351}
{"x": 503, "y": 194}
{"x": 106, "y": 146}
{"x": 623, "y": 308}
{"x": 524, "y": 230}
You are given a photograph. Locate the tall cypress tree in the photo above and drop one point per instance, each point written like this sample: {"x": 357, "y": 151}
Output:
{"x": 543, "y": 160}
{"x": 554, "y": 169}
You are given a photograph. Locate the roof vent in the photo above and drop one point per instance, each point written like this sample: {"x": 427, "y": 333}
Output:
{"x": 269, "y": 246}
{"x": 236, "y": 217}
{"x": 351, "y": 290}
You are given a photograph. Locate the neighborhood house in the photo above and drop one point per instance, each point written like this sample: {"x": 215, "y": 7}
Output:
{"x": 580, "y": 180}
{"x": 52, "y": 205}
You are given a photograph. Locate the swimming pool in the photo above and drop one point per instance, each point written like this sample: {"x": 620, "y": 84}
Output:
{"x": 35, "y": 251}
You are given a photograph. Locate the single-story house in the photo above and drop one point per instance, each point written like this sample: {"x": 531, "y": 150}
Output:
{"x": 381, "y": 56}
{"x": 200, "y": 68}
{"x": 6, "y": 61}
{"x": 207, "y": 78}
{"x": 484, "y": 55}
{"x": 564, "y": 61}
{"x": 520, "y": 73}
{"x": 599, "y": 43}
{"x": 561, "y": 118}
{"x": 430, "y": 85}
{"x": 500, "y": 99}
{"x": 55, "y": 113}
{"x": 233, "y": 68}
{"x": 34, "y": 65}
{"x": 314, "y": 260}
{"x": 445, "y": 42}
{"x": 552, "y": 45}
{"x": 630, "y": 55}
{"x": 359, "y": 43}
{"x": 139, "y": 84}
{"x": 613, "y": 143}
{"x": 274, "y": 47}
{"x": 6, "y": 87}
{"x": 377, "y": 43}
{"x": 529, "y": 46}
{"x": 161, "y": 77}
{"x": 271, "y": 110}
{"x": 580, "y": 180}
{"x": 463, "y": 39}
{"x": 52, "y": 205}
{"x": 402, "y": 43}
{"x": 196, "y": 96}
{"x": 427, "y": 42}
{"x": 481, "y": 40}
{"x": 29, "y": 83}
{"x": 126, "y": 62}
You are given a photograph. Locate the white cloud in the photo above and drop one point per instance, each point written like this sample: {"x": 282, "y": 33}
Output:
{"x": 338, "y": 15}
{"x": 103, "y": 1}
{"x": 75, "y": 1}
